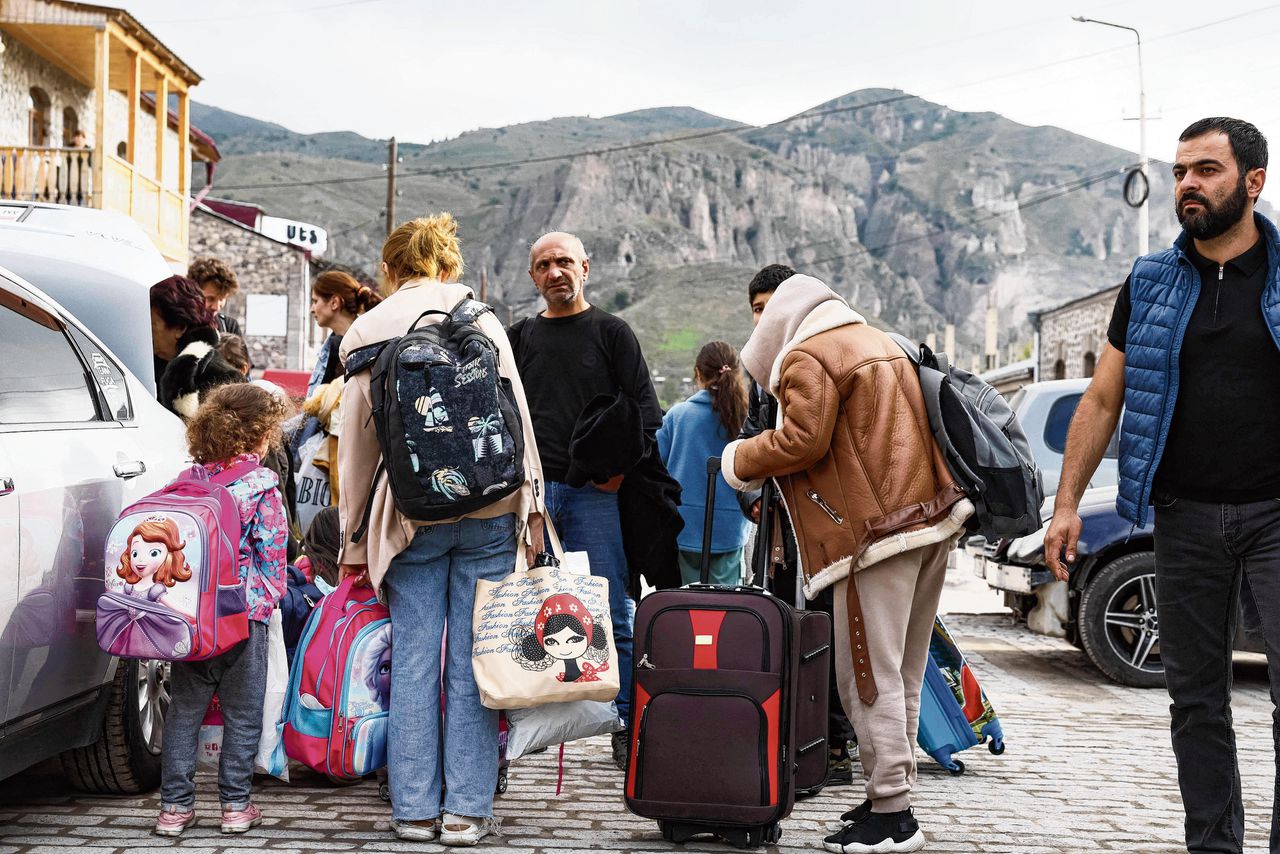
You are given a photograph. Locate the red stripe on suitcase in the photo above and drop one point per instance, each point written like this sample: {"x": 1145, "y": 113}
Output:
{"x": 772, "y": 715}
{"x": 638, "y": 703}
{"x": 973, "y": 708}
{"x": 706, "y": 638}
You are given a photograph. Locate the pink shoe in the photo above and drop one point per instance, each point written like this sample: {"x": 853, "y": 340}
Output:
{"x": 172, "y": 822}
{"x": 238, "y": 821}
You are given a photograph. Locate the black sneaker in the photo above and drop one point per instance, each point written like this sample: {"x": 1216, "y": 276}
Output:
{"x": 858, "y": 813}
{"x": 621, "y": 748}
{"x": 878, "y": 833}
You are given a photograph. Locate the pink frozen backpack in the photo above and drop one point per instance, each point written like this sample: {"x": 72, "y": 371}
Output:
{"x": 174, "y": 589}
{"x": 335, "y": 710}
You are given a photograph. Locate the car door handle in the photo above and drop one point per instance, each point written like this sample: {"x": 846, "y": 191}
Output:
{"x": 6, "y": 485}
{"x": 131, "y": 468}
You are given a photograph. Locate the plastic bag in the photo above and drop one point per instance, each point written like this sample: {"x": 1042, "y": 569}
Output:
{"x": 312, "y": 482}
{"x": 556, "y": 723}
{"x": 271, "y": 758}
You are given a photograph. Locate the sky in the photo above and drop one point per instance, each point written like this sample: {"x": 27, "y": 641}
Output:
{"x": 423, "y": 70}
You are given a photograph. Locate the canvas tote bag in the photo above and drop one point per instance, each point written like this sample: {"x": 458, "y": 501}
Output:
{"x": 543, "y": 635}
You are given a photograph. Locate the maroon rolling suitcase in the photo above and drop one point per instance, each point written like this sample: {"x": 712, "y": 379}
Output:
{"x": 717, "y": 697}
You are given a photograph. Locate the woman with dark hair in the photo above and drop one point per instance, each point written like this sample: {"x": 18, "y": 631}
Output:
{"x": 185, "y": 345}
{"x": 337, "y": 299}
{"x": 691, "y": 432}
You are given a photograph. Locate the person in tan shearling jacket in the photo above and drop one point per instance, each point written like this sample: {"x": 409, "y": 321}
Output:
{"x": 875, "y": 512}
{"x": 427, "y": 572}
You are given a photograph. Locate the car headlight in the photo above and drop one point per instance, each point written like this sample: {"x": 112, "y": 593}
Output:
{"x": 1028, "y": 549}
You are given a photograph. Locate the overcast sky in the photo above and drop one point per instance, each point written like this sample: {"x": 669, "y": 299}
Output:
{"x": 424, "y": 70}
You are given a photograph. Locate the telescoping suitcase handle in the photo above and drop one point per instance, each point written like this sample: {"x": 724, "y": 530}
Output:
{"x": 761, "y": 574}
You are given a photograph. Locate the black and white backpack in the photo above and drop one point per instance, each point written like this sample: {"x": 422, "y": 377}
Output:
{"x": 448, "y": 425}
{"x": 984, "y": 445}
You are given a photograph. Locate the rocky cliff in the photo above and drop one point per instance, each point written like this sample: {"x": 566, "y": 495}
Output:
{"x": 920, "y": 215}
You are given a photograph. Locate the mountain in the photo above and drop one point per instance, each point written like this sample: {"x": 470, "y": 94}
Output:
{"x": 919, "y": 214}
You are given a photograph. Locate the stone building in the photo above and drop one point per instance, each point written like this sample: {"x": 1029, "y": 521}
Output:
{"x": 273, "y": 304}
{"x": 1070, "y": 336}
{"x": 79, "y": 89}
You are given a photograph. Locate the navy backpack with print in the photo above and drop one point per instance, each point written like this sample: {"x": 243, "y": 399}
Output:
{"x": 447, "y": 423}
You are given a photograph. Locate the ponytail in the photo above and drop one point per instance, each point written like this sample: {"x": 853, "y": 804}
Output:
{"x": 356, "y": 298}
{"x": 717, "y": 365}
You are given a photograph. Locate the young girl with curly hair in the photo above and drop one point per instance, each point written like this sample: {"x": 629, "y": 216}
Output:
{"x": 235, "y": 424}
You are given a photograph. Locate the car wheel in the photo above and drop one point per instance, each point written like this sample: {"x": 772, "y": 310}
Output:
{"x": 1119, "y": 627}
{"x": 125, "y": 759}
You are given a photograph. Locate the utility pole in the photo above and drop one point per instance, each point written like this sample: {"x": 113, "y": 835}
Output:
{"x": 391, "y": 185}
{"x": 1144, "y": 221}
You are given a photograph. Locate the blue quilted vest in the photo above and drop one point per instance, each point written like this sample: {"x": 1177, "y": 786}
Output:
{"x": 1164, "y": 288}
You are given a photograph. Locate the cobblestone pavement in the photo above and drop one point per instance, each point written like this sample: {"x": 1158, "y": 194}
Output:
{"x": 1088, "y": 768}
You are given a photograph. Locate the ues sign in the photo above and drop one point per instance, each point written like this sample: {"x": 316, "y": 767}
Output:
{"x": 304, "y": 234}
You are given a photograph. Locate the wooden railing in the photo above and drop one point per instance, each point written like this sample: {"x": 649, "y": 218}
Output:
{"x": 161, "y": 211}
{"x": 61, "y": 175}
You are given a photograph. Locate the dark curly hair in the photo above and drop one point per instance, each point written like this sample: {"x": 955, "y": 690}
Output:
{"x": 211, "y": 271}
{"x": 767, "y": 280}
{"x": 233, "y": 419}
{"x": 180, "y": 303}
{"x": 528, "y": 648}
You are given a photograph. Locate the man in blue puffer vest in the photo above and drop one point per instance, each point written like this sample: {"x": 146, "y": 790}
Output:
{"x": 1193, "y": 358}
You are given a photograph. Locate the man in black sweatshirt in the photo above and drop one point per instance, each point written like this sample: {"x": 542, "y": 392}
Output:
{"x": 567, "y": 355}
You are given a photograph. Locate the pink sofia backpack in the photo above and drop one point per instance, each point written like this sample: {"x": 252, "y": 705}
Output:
{"x": 174, "y": 589}
{"x": 335, "y": 711}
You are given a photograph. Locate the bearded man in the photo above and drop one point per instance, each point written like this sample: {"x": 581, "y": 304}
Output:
{"x": 1193, "y": 359}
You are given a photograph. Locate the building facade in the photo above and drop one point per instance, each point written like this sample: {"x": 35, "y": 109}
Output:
{"x": 87, "y": 118}
{"x": 273, "y": 304}
{"x": 1071, "y": 336}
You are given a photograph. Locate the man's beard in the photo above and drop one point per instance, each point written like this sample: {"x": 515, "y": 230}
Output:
{"x": 1213, "y": 221}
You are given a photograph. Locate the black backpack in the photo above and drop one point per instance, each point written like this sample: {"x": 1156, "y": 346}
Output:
{"x": 984, "y": 445}
{"x": 448, "y": 425}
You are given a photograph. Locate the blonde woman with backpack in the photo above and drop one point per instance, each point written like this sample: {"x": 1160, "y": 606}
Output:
{"x": 426, "y": 571}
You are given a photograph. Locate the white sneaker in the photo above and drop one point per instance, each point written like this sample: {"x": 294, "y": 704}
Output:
{"x": 415, "y": 831}
{"x": 462, "y": 831}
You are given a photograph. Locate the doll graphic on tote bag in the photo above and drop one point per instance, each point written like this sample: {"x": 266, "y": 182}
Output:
{"x": 564, "y": 631}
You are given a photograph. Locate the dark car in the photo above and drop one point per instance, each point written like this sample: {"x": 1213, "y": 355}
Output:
{"x": 1108, "y": 605}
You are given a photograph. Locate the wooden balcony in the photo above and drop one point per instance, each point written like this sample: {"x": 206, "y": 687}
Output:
{"x": 65, "y": 176}
{"x": 60, "y": 175}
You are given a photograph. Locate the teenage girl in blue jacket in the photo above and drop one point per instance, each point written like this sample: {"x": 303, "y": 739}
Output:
{"x": 691, "y": 432}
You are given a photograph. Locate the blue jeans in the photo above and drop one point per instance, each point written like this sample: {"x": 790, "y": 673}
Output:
{"x": 587, "y": 521}
{"x": 432, "y": 582}
{"x": 1207, "y": 556}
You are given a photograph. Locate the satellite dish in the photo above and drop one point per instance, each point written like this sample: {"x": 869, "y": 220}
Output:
{"x": 1136, "y": 188}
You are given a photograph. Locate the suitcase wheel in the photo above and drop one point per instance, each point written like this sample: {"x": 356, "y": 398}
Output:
{"x": 502, "y": 782}
{"x": 772, "y": 834}
{"x": 957, "y": 770}
{"x": 384, "y": 791}
{"x": 996, "y": 746}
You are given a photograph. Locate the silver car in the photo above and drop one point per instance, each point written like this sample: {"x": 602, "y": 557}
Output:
{"x": 80, "y": 437}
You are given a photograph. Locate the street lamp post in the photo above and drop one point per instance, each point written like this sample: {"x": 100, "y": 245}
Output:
{"x": 1144, "y": 226}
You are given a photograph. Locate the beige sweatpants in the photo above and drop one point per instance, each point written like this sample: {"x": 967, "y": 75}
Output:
{"x": 899, "y": 602}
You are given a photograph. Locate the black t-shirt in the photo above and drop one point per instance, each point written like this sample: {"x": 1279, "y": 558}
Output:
{"x": 564, "y": 363}
{"x": 1224, "y": 441}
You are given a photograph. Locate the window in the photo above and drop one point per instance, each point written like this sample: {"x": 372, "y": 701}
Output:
{"x": 1090, "y": 361}
{"x": 70, "y": 126}
{"x": 1055, "y": 426}
{"x": 110, "y": 379}
{"x": 1060, "y": 370}
{"x": 42, "y": 380}
{"x": 38, "y": 116}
